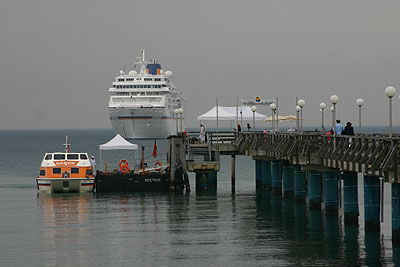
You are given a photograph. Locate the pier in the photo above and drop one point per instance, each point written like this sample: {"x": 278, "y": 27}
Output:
{"x": 308, "y": 167}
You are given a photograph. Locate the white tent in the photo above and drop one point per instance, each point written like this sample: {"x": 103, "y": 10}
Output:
{"x": 229, "y": 114}
{"x": 117, "y": 143}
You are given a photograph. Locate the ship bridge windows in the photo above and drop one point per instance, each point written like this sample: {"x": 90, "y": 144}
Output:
{"x": 59, "y": 156}
{"x": 72, "y": 156}
{"x": 130, "y": 79}
{"x": 83, "y": 156}
{"x": 148, "y": 79}
{"x": 48, "y": 156}
{"x": 157, "y": 79}
{"x": 121, "y": 80}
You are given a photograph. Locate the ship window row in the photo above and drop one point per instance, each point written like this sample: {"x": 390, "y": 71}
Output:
{"x": 62, "y": 156}
{"x": 141, "y": 86}
{"x": 136, "y": 93}
{"x": 139, "y": 79}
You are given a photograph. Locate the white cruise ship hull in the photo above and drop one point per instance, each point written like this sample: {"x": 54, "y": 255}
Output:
{"x": 140, "y": 123}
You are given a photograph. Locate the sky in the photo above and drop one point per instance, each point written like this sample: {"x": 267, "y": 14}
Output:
{"x": 58, "y": 58}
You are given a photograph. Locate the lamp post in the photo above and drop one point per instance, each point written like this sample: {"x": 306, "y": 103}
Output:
{"x": 390, "y": 91}
{"x": 298, "y": 108}
{"x": 334, "y": 100}
{"x": 333, "y": 117}
{"x": 322, "y": 108}
{"x": 301, "y": 104}
{"x": 254, "y": 109}
{"x": 272, "y": 106}
{"x": 359, "y": 102}
{"x": 181, "y": 118}
{"x": 176, "y": 111}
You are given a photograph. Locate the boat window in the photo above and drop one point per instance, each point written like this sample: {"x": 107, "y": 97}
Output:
{"x": 48, "y": 156}
{"x": 42, "y": 173}
{"x": 56, "y": 170}
{"x": 59, "y": 156}
{"x": 72, "y": 156}
{"x": 83, "y": 156}
{"x": 74, "y": 170}
{"x": 89, "y": 172}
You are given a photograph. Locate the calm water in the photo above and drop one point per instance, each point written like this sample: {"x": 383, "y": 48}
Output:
{"x": 144, "y": 229}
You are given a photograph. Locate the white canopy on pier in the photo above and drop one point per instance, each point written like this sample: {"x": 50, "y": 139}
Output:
{"x": 229, "y": 114}
{"x": 118, "y": 142}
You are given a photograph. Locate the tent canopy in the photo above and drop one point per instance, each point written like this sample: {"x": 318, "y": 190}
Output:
{"x": 229, "y": 114}
{"x": 118, "y": 142}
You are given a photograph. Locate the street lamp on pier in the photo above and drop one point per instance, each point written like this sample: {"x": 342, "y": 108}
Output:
{"x": 390, "y": 91}
{"x": 359, "y": 102}
{"x": 322, "y": 108}
{"x": 254, "y": 109}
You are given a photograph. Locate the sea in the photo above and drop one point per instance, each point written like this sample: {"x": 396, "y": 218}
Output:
{"x": 248, "y": 228}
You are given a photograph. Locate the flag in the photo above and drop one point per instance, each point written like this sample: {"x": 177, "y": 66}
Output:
{"x": 155, "y": 149}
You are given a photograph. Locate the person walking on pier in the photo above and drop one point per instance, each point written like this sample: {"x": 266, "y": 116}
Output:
{"x": 348, "y": 130}
{"x": 202, "y": 133}
{"x": 248, "y": 127}
{"x": 338, "y": 127}
{"x": 239, "y": 128}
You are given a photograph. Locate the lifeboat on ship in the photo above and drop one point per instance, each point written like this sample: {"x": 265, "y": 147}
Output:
{"x": 66, "y": 172}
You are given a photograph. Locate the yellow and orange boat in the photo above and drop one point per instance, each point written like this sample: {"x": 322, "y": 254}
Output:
{"x": 66, "y": 172}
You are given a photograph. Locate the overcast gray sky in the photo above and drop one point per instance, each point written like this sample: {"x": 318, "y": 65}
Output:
{"x": 57, "y": 58}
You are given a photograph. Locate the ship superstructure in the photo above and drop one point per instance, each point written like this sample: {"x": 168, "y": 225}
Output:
{"x": 142, "y": 104}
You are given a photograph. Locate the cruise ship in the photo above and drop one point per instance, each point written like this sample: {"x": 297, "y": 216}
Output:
{"x": 142, "y": 102}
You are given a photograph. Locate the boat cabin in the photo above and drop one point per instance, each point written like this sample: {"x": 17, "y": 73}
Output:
{"x": 66, "y": 165}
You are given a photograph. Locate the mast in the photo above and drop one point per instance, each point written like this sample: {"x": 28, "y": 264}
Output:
{"x": 66, "y": 144}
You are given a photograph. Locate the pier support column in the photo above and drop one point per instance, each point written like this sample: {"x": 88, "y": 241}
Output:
{"x": 206, "y": 182}
{"x": 371, "y": 202}
{"x": 396, "y": 214}
{"x": 266, "y": 177}
{"x": 331, "y": 191}
{"x": 276, "y": 174}
{"x": 259, "y": 173}
{"x": 233, "y": 174}
{"x": 288, "y": 181}
{"x": 350, "y": 188}
{"x": 315, "y": 189}
{"x": 299, "y": 184}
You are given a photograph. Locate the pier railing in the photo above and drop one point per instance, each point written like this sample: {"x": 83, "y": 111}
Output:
{"x": 371, "y": 154}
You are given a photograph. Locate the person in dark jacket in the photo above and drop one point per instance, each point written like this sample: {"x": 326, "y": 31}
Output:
{"x": 348, "y": 130}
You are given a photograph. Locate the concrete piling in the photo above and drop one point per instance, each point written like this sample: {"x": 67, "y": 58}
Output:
{"x": 206, "y": 182}
{"x": 314, "y": 188}
{"x": 276, "y": 175}
{"x": 331, "y": 192}
{"x": 396, "y": 214}
{"x": 288, "y": 181}
{"x": 371, "y": 202}
{"x": 350, "y": 188}
{"x": 299, "y": 184}
{"x": 266, "y": 175}
{"x": 259, "y": 173}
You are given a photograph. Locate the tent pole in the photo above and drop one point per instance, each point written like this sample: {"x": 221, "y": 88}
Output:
{"x": 277, "y": 115}
{"x": 237, "y": 113}
{"x": 217, "y": 126}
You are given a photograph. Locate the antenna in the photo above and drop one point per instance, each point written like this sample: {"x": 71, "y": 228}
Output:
{"x": 66, "y": 144}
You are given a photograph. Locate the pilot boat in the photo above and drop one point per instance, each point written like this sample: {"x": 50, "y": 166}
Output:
{"x": 64, "y": 172}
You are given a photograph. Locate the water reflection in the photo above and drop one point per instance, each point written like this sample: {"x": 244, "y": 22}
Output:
{"x": 64, "y": 224}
